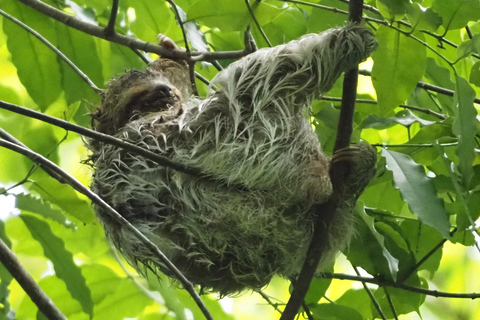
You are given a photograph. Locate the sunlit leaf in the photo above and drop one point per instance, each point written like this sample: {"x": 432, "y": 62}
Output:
{"x": 392, "y": 80}
{"x": 465, "y": 128}
{"x": 27, "y": 202}
{"x": 36, "y": 64}
{"x": 456, "y": 13}
{"x": 65, "y": 267}
{"x": 418, "y": 191}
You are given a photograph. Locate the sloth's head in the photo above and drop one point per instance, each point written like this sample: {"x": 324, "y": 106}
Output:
{"x": 133, "y": 95}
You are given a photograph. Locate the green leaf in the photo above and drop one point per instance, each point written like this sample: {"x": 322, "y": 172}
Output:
{"x": 457, "y": 13}
{"x": 27, "y": 202}
{"x": 36, "y": 64}
{"x": 152, "y": 18}
{"x": 393, "y": 8}
{"x": 65, "y": 198}
{"x": 357, "y": 299}
{"x": 231, "y": 15}
{"x": 405, "y": 118}
{"x": 368, "y": 250}
{"x": 333, "y": 311}
{"x": 321, "y": 20}
{"x": 422, "y": 239}
{"x": 475, "y": 74}
{"x": 469, "y": 46}
{"x": 82, "y": 51}
{"x": 422, "y": 19}
{"x": 65, "y": 267}
{"x": 418, "y": 191}
{"x": 127, "y": 302}
{"x": 464, "y": 127}
{"x": 404, "y": 303}
{"x": 318, "y": 288}
{"x": 394, "y": 82}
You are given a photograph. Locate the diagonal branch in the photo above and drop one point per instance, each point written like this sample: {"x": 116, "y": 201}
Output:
{"x": 44, "y": 162}
{"x": 28, "y": 284}
{"x": 319, "y": 239}
{"x": 100, "y": 137}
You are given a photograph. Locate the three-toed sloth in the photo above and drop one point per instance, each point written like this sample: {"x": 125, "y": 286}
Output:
{"x": 251, "y": 218}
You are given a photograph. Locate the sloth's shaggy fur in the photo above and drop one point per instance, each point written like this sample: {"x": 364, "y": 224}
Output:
{"x": 251, "y": 133}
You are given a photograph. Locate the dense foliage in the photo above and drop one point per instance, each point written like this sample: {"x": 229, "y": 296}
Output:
{"x": 416, "y": 221}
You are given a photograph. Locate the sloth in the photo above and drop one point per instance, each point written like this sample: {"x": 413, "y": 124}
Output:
{"x": 247, "y": 216}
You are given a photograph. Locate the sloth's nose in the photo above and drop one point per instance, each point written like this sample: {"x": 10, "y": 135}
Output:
{"x": 163, "y": 91}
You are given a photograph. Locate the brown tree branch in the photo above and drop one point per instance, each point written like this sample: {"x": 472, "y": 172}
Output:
{"x": 133, "y": 43}
{"x": 25, "y": 280}
{"x": 44, "y": 162}
{"x": 319, "y": 240}
{"x": 110, "y": 28}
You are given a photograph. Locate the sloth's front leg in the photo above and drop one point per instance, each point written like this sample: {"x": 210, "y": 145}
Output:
{"x": 362, "y": 159}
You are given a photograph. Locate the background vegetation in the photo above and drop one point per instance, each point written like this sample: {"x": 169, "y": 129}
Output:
{"x": 417, "y": 250}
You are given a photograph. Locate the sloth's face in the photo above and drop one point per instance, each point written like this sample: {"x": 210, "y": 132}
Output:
{"x": 132, "y": 96}
{"x": 149, "y": 96}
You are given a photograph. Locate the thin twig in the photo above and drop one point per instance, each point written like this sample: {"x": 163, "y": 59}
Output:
{"x": 100, "y": 137}
{"x": 110, "y": 28}
{"x": 25, "y": 280}
{"x": 74, "y": 183}
{"x": 259, "y": 27}
{"x": 390, "y": 303}
{"x": 426, "y": 86}
{"x": 266, "y": 297}
{"x": 54, "y": 49}
{"x": 423, "y": 110}
{"x": 383, "y": 283}
{"x": 372, "y": 297}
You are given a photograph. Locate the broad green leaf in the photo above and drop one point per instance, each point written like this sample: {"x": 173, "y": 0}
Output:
{"x": 81, "y": 50}
{"x": 126, "y": 302}
{"x": 357, "y": 299}
{"x": 393, "y": 9}
{"x": 418, "y": 191}
{"x": 117, "y": 59}
{"x": 475, "y": 74}
{"x": 231, "y": 15}
{"x": 469, "y": 46}
{"x": 331, "y": 311}
{"x": 318, "y": 288}
{"x": 152, "y": 18}
{"x": 441, "y": 76}
{"x": 457, "y": 13}
{"x": 404, "y": 302}
{"x": 464, "y": 219}
{"x": 422, "y": 19}
{"x": 464, "y": 127}
{"x": 65, "y": 267}
{"x": 405, "y": 118}
{"x": 36, "y": 64}
{"x": 163, "y": 285}
{"x": 393, "y": 81}
{"x": 27, "y": 202}
{"x": 288, "y": 25}
{"x": 65, "y": 198}
{"x": 422, "y": 239}
{"x": 321, "y": 20}
{"x": 368, "y": 249}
